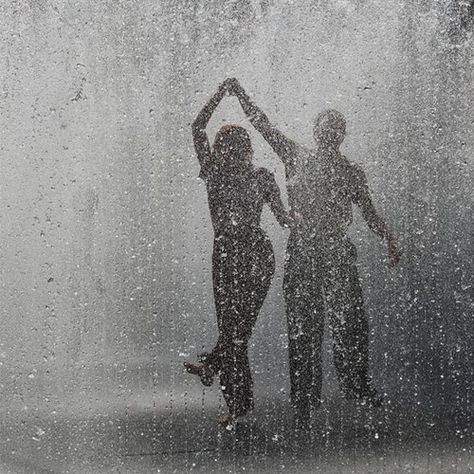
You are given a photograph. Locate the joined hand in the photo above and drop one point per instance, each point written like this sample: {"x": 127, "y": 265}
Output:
{"x": 232, "y": 86}
{"x": 394, "y": 251}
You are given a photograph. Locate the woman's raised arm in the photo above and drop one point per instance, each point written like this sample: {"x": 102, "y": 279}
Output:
{"x": 201, "y": 141}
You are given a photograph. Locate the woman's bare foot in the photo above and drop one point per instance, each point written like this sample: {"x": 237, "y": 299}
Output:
{"x": 227, "y": 421}
{"x": 206, "y": 376}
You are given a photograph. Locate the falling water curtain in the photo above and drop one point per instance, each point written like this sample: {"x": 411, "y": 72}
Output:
{"x": 107, "y": 241}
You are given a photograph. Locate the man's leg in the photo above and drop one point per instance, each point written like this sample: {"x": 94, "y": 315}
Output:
{"x": 305, "y": 316}
{"x": 362, "y": 386}
{"x": 349, "y": 325}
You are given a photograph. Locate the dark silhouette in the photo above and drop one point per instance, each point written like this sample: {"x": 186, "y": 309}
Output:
{"x": 320, "y": 273}
{"x": 242, "y": 260}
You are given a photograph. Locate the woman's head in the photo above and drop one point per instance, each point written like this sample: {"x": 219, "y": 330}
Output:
{"x": 232, "y": 148}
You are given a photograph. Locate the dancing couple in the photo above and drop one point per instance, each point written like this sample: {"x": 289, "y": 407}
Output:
{"x": 320, "y": 270}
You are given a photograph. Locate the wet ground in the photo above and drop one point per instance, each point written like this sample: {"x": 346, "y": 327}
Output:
{"x": 146, "y": 437}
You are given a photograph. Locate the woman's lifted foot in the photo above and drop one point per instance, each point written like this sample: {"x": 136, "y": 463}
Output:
{"x": 205, "y": 374}
{"x": 227, "y": 421}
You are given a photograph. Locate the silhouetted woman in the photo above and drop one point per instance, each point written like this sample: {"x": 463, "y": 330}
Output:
{"x": 242, "y": 260}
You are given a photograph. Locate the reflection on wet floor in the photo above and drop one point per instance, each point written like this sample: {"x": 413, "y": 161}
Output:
{"x": 348, "y": 438}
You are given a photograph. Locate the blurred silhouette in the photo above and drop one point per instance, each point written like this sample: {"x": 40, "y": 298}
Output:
{"x": 242, "y": 260}
{"x": 320, "y": 273}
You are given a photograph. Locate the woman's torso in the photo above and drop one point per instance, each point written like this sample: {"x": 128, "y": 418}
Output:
{"x": 236, "y": 200}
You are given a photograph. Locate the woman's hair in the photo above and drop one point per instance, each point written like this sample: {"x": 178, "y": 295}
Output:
{"x": 232, "y": 149}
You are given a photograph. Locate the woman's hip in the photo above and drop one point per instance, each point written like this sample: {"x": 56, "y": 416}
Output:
{"x": 248, "y": 252}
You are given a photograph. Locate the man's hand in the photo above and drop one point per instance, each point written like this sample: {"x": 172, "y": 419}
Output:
{"x": 394, "y": 252}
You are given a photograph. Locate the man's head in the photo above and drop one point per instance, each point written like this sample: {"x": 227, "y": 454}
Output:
{"x": 330, "y": 129}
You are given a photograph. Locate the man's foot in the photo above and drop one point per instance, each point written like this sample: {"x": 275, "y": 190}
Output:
{"x": 372, "y": 400}
{"x": 204, "y": 373}
{"x": 302, "y": 421}
{"x": 302, "y": 427}
{"x": 367, "y": 396}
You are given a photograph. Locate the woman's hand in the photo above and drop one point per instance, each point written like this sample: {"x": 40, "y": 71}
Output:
{"x": 222, "y": 89}
{"x": 232, "y": 86}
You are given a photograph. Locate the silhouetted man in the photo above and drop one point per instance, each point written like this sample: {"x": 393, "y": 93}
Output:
{"x": 320, "y": 273}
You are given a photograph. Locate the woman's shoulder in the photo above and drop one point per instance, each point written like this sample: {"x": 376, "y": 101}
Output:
{"x": 209, "y": 170}
{"x": 265, "y": 180}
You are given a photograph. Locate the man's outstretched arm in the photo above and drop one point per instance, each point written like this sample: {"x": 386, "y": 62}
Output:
{"x": 375, "y": 222}
{"x": 283, "y": 146}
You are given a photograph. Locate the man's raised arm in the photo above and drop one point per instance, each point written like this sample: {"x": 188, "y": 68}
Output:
{"x": 283, "y": 146}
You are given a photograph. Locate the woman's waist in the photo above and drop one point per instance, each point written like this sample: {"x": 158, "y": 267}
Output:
{"x": 242, "y": 239}
{"x": 235, "y": 229}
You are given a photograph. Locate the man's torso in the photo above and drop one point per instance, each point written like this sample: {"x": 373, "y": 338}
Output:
{"x": 321, "y": 190}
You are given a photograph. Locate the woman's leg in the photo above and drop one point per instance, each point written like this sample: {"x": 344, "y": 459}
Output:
{"x": 252, "y": 273}
{"x": 211, "y": 362}
{"x": 222, "y": 279}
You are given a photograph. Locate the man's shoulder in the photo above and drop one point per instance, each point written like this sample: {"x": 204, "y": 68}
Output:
{"x": 355, "y": 169}
{"x": 295, "y": 167}
{"x": 302, "y": 151}
{"x": 355, "y": 175}
{"x": 303, "y": 155}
